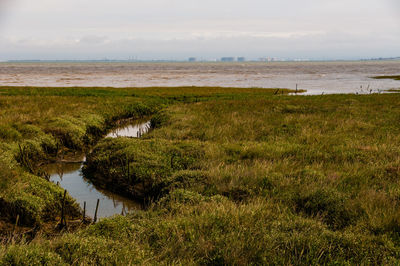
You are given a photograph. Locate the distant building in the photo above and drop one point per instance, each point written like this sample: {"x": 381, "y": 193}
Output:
{"x": 192, "y": 59}
{"x": 241, "y": 59}
{"x": 227, "y": 59}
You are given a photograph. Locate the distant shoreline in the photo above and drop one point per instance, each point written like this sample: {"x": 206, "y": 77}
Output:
{"x": 200, "y": 61}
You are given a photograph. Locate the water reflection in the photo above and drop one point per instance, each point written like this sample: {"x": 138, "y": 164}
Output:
{"x": 68, "y": 174}
{"x": 132, "y": 131}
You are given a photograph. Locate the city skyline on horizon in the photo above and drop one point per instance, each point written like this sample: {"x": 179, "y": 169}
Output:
{"x": 236, "y": 59}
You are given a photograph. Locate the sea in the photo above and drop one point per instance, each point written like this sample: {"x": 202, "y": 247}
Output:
{"x": 316, "y": 77}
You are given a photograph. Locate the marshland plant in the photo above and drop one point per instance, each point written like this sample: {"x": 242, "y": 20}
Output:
{"x": 227, "y": 175}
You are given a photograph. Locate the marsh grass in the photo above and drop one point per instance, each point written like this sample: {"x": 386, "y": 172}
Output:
{"x": 332, "y": 160}
{"x": 39, "y": 125}
{"x": 36, "y": 129}
{"x": 235, "y": 176}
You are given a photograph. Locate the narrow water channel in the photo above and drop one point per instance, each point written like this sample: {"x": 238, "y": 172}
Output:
{"x": 69, "y": 176}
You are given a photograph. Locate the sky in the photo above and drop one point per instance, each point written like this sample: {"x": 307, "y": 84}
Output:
{"x": 206, "y": 29}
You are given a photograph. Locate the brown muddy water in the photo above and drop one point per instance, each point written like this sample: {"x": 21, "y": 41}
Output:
{"x": 315, "y": 77}
{"x": 69, "y": 176}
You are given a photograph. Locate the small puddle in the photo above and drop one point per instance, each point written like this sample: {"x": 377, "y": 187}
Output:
{"x": 131, "y": 131}
{"x": 70, "y": 177}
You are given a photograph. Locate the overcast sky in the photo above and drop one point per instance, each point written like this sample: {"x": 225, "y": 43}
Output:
{"x": 177, "y": 29}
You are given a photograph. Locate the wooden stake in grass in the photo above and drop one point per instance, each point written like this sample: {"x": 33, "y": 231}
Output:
{"x": 15, "y": 225}
{"x": 63, "y": 222}
{"x": 84, "y": 211}
{"x": 95, "y": 213}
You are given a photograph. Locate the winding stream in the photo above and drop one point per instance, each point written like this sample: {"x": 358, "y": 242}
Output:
{"x": 69, "y": 176}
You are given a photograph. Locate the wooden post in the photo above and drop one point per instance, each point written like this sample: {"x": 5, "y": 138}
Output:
{"x": 16, "y": 224}
{"x": 95, "y": 213}
{"x": 296, "y": 87}
{"x": 63, "y": 221}
{"x": 84, "y": 211}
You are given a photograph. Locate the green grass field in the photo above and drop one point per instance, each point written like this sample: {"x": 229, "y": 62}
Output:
{"x": 232, "y": 176}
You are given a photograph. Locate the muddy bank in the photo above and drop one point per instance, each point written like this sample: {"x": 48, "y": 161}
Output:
{"x": 140, "y": 169}
{"x": 67, "y": 173}
{"x": 26, "y": 192}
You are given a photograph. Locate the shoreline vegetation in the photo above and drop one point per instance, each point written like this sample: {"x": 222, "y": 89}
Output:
{"x": 387, "y": 77}
{"x": 230, "y": 176}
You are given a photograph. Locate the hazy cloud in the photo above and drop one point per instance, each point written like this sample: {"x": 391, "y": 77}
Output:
{"x": 207, "y": 28}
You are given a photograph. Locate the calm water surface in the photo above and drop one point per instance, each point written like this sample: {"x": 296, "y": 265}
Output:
{"x": 131, "y": 131}
{"x": 70, "y": 177}
{"x": 316, "y": 77}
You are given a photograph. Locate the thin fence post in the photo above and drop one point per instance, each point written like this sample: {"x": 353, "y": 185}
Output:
{"x": 95, "y": 213}
{"x": 84, "y": 211}
{"x": 63, "y": 221}
{"x": 16, "y": 224}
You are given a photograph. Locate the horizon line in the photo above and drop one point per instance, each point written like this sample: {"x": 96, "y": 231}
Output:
{"x": 190, "y": 60}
